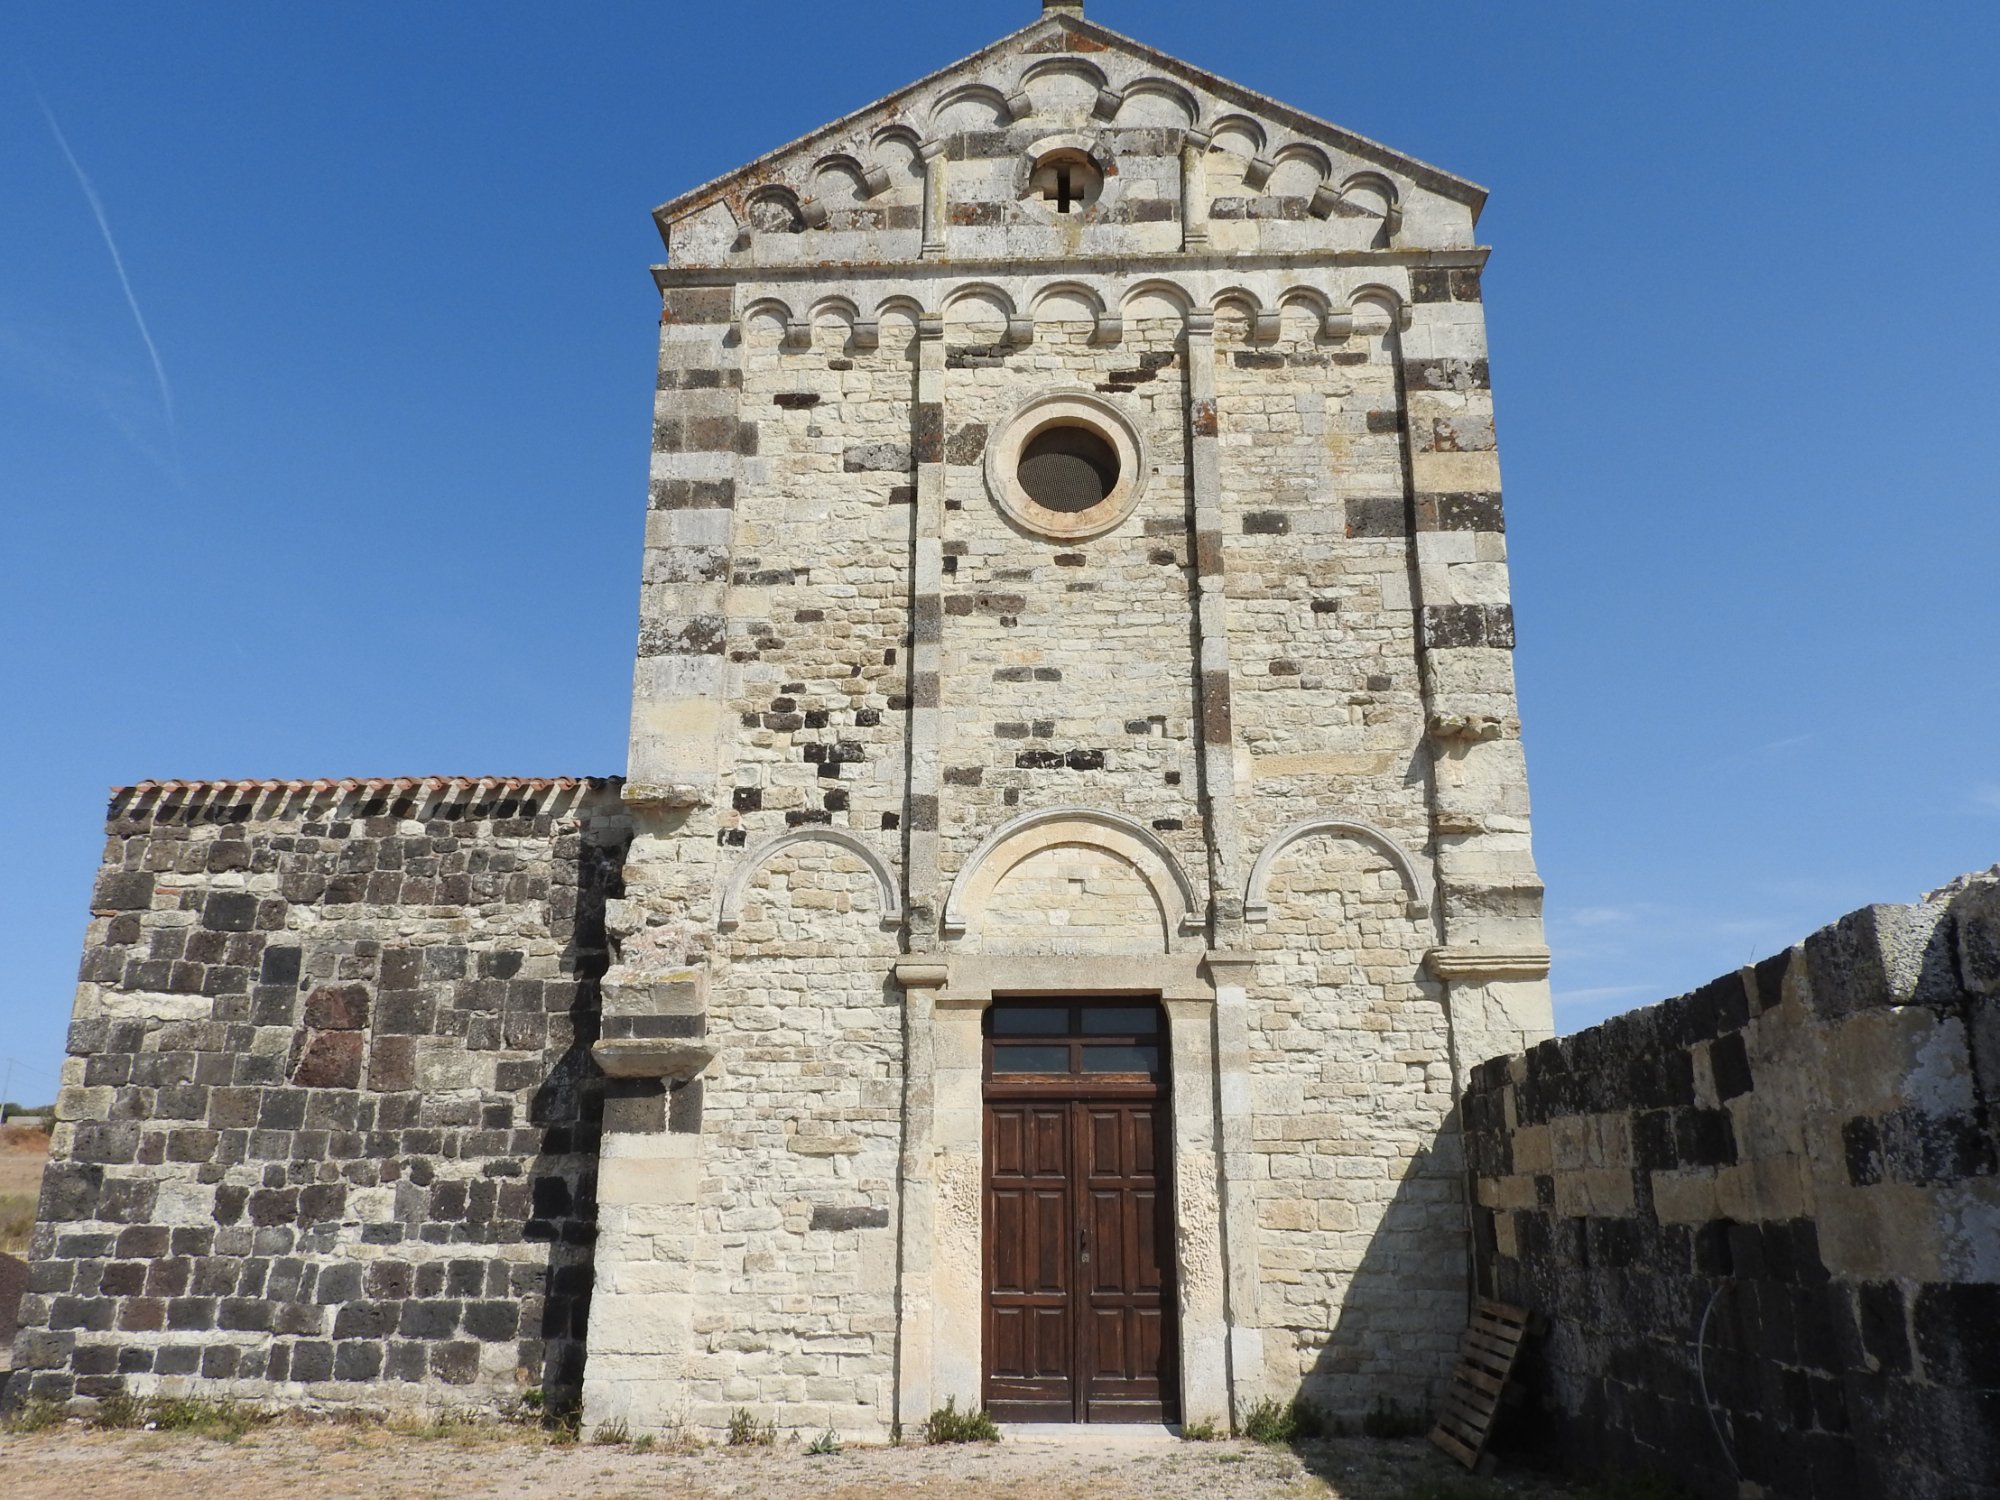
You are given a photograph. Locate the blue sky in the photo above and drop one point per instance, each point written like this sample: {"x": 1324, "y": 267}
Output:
{"x": 375, "y": 508}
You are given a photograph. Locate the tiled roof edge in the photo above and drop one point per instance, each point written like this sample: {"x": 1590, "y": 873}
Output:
{"x": 477, "y": 796}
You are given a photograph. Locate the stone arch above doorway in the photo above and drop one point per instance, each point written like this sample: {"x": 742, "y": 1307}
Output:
{"x": 1021, "y": 839}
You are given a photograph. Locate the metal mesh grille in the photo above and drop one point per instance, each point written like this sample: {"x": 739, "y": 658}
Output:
{"x": 1068, "y": 469}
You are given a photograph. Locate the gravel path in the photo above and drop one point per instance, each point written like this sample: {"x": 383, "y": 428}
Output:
{"x": 332, "y": 1462}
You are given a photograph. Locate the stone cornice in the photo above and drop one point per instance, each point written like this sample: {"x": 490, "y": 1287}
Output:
{"x": 1471, "y": 257}
{"x": 1474, "y": 962}
{"x": 645, "y": 1057}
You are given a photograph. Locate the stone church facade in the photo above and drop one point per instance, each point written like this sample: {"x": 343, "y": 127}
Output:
{"x": 1075, "y": 842}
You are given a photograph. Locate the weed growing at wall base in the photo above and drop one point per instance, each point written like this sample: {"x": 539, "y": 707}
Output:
{"x": 745, "y": 1431}
{"x": 1294, "y": 1421}
{"x": 950, "y": 1425}
{"x": 38, "y": 1414}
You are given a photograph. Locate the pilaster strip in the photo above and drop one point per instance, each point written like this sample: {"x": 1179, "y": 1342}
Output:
{"x": 1426, "y": 668}
{"x": 1235, "y": 1155}
{"x": 916, "y": 1281}
{"x": 1218, "y": 738}
{"x": 922, "y": 892}
{"x": 1194, "y": 190}
{"x": 933, "y": 156}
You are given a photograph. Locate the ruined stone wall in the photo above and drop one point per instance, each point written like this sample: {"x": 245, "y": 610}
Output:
{"x": 328, "y": 1127}
{"x": 1764, "y": 1218}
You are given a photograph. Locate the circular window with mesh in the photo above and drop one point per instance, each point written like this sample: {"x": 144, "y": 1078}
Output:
{"x": 1067, "y": 465}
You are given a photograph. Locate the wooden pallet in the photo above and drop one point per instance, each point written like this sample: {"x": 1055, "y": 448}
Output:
{"x": 1479, "y": 1386}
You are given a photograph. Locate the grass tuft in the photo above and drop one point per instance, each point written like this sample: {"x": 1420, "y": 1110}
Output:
{"x": 119, "y": 1413}
{"x": 745, "y": 1431}
{"x": 1295, "y": 1421}
{"x": 37, "y": 1414}
{"x": 1199, "y": 1432}
{"x": 950, "y": 1425}
{"x": 825, "y": 1445}
{"x": 223, "y": 1421}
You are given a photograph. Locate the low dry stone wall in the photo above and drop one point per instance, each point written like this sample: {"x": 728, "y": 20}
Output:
{"x": 329, "y": 1124}
{"x": 1764, "y": 1219}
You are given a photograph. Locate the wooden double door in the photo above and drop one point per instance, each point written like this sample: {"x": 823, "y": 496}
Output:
{"x": 1080, "y": 1321}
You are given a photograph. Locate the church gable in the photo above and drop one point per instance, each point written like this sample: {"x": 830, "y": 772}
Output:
{"x": 1068, "y": 139}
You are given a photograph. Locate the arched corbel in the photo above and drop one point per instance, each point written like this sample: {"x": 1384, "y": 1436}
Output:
{"x": 729, "y": 914}
{"x": 1256, "y": 908}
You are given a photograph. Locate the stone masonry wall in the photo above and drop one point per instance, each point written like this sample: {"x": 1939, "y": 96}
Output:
{"x": 1360, "y": 1202}
{"x": 767, "y": 1280}
{"x": 1245, "y": 736}
{"x": 1067, "y": 677}
{"x": 328, "y": 1127}
{"x": 1764, "y": 1218}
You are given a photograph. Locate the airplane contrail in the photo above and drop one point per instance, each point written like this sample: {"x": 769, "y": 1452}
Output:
{"x": 117, "y": 260}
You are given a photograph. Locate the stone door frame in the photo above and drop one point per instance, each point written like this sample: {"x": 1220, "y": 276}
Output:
{"x": 941, "y": 1274}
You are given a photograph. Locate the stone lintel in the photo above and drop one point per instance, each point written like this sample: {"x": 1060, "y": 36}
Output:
{"x": 977, "y": 977}
{"x": 1475, "y": 962}
{"x": 652, "y": 1057}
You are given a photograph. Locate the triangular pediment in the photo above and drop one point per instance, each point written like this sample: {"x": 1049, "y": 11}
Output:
{"x": 1062, "y": 77}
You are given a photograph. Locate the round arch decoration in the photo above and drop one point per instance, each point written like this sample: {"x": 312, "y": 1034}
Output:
{"x": 731, "y": 912}
{"x": 1256, "y": 906}
{"x": 1020, "y": 838}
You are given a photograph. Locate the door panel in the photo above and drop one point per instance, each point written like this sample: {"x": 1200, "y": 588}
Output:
{"x": 1129, "y": 1374}
{"x": 1080, "y": 1315}
{"x": 1029, "y": 1262}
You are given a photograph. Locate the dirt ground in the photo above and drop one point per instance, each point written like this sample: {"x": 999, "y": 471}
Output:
{"x": 331, "y": 1462}
{"x": 23, "y": 1153}
{"x": 22, "y": 1156}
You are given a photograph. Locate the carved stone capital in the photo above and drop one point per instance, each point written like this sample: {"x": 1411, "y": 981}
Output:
{"x": 1472, "y": 728}
{"x": 1229, "y": 968}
